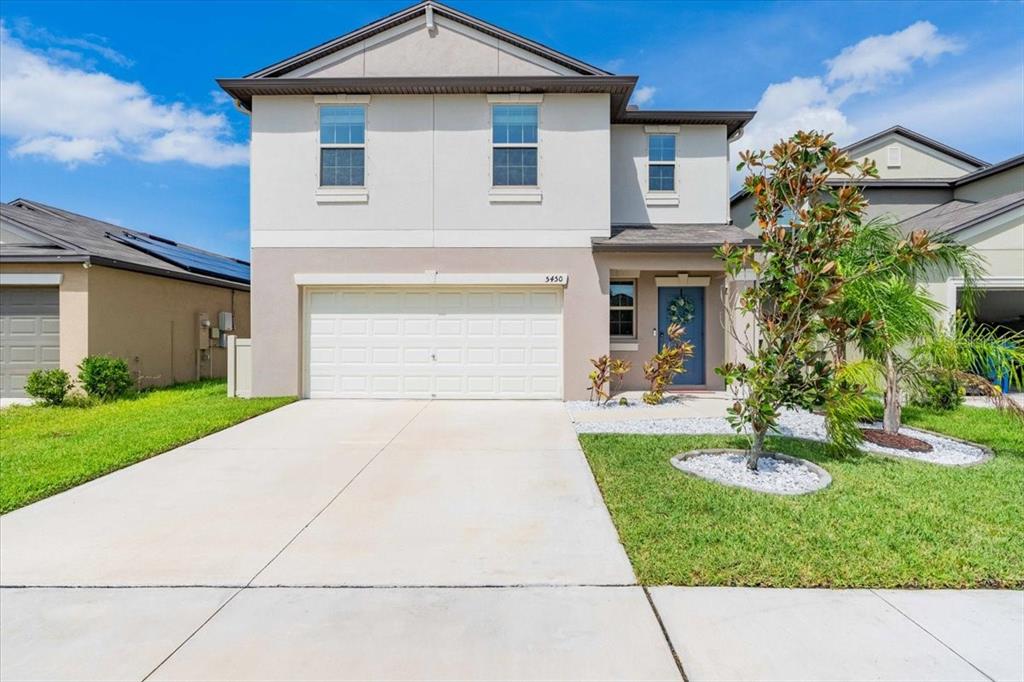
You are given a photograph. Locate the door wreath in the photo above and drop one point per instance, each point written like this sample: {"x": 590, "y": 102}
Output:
{"x": 681, "y": 310}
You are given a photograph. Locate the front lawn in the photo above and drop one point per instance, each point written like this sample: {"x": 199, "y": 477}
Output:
{"x": 44, "y": 450}
{"x": 882, "y": 522}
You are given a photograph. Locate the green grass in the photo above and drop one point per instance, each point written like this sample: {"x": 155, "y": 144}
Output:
{"x": 44, "y": 450}
{"x": 882, "y": 523}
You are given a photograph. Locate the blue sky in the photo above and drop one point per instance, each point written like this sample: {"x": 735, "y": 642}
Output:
{"x": 111, "y": 110}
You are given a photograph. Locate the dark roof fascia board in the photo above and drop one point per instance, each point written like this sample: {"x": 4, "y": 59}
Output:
{"x": 733, "y": 120}
{"x": 662, "y": 248}
{"x": 185, "y": 276}
{"x": 122, "y": 265}
{"x": 868, "y": 183}
{"x": 45, "y": 258}
{"x": 908, "y": 183}
{"x": 243, "y": 89}
{"x": 921, "y": 139}
{"x": 1012, "y": 162}
{"x": 410, "y": 13}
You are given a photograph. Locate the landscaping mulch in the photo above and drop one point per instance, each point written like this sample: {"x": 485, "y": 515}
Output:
{"x": 897, "y": 441}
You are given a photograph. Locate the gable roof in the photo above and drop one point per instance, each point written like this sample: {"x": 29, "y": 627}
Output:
{"x": 920, "y": 139}
{"x": 409, "y": 13}
{"x": 74, "y": 238}
{"x": 955, "y": 216}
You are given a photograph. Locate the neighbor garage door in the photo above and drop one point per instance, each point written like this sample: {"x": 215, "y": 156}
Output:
{"x": 434, "y": 342}
{"x": 29, "y": 335}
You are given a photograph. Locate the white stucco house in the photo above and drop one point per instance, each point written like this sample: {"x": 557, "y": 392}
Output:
{"x": 927, "y": 185}
{"x": 441, "y": 208}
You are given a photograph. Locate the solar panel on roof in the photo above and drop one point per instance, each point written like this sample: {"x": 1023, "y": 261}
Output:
{"x": 187, "y": 257}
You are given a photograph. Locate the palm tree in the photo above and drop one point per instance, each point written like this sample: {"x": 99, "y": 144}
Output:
{"x": 902, "y": 342}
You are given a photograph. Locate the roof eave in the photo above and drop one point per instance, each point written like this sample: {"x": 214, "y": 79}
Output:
{"x": 242, "y": 90}
{"x": 921, "y": 139}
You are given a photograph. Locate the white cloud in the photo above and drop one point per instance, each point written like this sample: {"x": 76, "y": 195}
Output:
{"x": 73, "y": 115}
{"x": 817, "y": 102}
{"x": 644, "y": 95}
{"x": 26, "y": 31}
{"x": 877, "y": 60}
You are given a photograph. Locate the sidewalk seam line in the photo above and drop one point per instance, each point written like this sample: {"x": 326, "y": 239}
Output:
{"x": 933, "y": 636}
{"x": 288, "y": 544}
{"x": 664, "y": 633}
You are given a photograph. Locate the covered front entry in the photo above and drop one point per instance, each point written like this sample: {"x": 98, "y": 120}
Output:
{"x": 434, "y": 342}
{"x": 684, "y": 306}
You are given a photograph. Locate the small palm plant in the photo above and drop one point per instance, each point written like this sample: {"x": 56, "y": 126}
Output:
{"x": 904, "y": 349}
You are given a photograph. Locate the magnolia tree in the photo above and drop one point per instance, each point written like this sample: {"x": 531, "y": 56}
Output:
{"x": 794, "y": 277}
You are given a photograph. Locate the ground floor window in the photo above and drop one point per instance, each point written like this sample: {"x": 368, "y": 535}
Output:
{"x": 623, "y": 308}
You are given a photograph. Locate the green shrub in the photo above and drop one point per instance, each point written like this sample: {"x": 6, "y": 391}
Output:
{"x": 105, "y": 378}
{"x": 940, "y": 393}
{"x": 49, "y": 385}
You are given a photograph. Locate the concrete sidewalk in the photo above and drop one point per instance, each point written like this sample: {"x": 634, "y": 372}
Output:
{"x": 777, "y": 634}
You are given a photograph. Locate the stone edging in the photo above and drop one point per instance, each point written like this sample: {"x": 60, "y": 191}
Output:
{"x": 824, "y": 478}
{"x": 987, "y": 451}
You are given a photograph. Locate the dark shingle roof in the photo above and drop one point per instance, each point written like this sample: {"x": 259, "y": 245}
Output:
{"x": 671, "y": 237}
{"x": 78, "y": 238}
{"x": 956, "y": 215}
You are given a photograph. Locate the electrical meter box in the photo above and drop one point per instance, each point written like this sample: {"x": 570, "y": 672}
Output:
{"x": 226, "y": 321}
{"x": 202, "y": 331}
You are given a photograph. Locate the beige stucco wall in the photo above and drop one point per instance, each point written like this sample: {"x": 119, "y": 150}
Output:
{"x": 995, "y": 185}
{"x": 73, "y": 305}
{"x": 150, "y": 322}
{"x": 917, "y": 160}
{"x": 277, "y": 301}
{"x": 702, "y": 176}
{"x": 428, "y": 176}
{"x": 410, "y": 49}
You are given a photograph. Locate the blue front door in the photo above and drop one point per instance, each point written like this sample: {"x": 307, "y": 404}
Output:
{"x": 685, "y": 305}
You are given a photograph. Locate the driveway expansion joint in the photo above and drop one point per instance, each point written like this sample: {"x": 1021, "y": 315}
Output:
{"x": 664, "y": 633}
{"x": 287, "y": 544}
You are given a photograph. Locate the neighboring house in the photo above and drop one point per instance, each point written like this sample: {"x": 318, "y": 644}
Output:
{"x": 441, "y": 208}
{"x": 927, "y": 185}
{"x": 72, "y": 286}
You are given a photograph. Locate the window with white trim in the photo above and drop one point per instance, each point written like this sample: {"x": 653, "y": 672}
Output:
{"x": 661, "y": 163}
{"x": 514, "y": 145}
{"x": 342, "y": 146}
{"x": 622, "y": 312}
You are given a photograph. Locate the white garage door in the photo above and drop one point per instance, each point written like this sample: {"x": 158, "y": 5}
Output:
{"x": 434, "y": 343}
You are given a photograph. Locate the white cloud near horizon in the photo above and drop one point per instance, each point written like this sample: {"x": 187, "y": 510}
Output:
{"x": 818, "y": 102}
{"x": 61, "y": 111}
{"x": 643, "y": 95}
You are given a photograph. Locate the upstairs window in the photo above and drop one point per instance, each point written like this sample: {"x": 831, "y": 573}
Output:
{"x": 623, "y": 308}
{"x": 661, "y": 163}
{"x": 342, "y": 146}
{"x": 514, "y": 140}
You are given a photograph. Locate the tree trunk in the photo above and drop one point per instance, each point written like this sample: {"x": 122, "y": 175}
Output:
{"x": 891, "y": 420}
{"x": 756, "y": 449}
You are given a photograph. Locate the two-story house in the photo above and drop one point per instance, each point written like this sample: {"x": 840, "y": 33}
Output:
{"x": 924, "y": 184}
{"x": 441, "y": 208}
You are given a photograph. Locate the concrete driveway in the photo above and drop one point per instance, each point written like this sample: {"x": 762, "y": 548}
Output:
{"x": 334, "y": 540}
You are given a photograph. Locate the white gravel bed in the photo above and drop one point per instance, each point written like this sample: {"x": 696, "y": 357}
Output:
{"x": 789, "y": 476}
{"x": 806, "y": 425}
{"x": 591, "y": 406}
